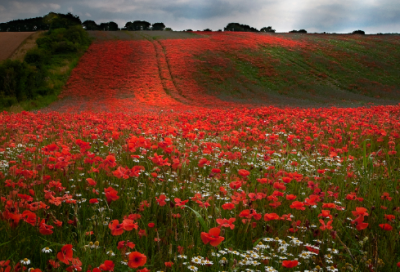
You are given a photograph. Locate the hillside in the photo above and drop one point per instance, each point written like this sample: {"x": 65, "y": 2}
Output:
{"x": 155, "y": 68}
{"x": 159, "y": 154}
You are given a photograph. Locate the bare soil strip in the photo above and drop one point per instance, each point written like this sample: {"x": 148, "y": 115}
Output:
{"x": 10, "y": 41}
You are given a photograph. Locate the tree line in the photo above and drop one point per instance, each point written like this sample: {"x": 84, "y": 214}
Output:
{"x": 58, "y": 20}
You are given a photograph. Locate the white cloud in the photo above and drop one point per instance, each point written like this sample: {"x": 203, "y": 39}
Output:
{"x": 54, "y": 6}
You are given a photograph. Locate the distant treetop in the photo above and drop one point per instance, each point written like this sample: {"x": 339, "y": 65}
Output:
{"x": 239, "y": 27}
{"x": 158, "y": 26}
{"x": 50, "y": 21}
{"x": 360, "y": 32}
{"x": 298, "y": 31}
{"x": 267, "y": 29}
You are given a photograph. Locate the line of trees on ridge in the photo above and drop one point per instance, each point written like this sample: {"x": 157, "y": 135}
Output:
{"x": 58, "y": 20}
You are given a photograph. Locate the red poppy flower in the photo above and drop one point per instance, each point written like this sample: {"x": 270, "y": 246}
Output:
{"x": 76, "y": 265}
{"x": 161, "y": 200}
{"x": 386, "y": 227}
{"x": 65, "y": 255}
{"x": 271, "y": 216}
{"x": 111, "y": 194}
{"x": 129, "y": 225}
{"x": 93, "y": 201}
{"x": 116, "y": 228}
{"x": 291, "y": 197}
{"x": 228, "y": 206}
{"x": 244, "y": 173}
{"x": 235, "y": 184}
{"x": 327, "y": 226}
{"x": 91, "y": 182}
{"x": 107, "y": 266}
{"x": 290, "y": 264}
{"x": 45, "y": 229}
{"x": 390, "y": 217}
{"x": 298, "y": 205}
{"x": 226, "y": 223}
{"x": 286, "y": 179}
{"x": 325, "y": 214}
{"x": 212, "y": 237}
{"x": 29, "y": 217}
{"x": 136, "y": 259}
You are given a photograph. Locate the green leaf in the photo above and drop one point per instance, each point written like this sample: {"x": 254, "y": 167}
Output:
{"x": 201, "y": 220}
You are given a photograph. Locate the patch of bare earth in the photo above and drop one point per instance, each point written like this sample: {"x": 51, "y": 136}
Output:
{"x": 10, "y": 41}
{"x": 26, "y": 45}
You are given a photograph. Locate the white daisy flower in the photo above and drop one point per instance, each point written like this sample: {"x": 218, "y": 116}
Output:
{"x": 47, "y": 250}
{"x": 25, "y": 261}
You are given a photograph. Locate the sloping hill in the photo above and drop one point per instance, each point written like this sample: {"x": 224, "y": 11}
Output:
{"x": 160, "y": 69}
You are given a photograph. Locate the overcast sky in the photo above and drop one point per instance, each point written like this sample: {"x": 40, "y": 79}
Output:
{"x": 340, "y": 16}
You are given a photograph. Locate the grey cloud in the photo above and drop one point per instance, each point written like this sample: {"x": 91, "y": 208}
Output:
{"x": 339, "y": 17}
{"x": 284, "y": 15}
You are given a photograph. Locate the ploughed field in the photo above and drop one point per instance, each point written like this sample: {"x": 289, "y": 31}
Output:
{"x": 10, "y": 41}
{"x": 209, "y": 152}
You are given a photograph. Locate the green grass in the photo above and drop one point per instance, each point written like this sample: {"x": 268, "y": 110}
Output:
{"x": 330, "y": 70}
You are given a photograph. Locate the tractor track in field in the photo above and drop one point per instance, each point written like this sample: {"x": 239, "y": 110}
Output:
{"x": 167, "y": 80}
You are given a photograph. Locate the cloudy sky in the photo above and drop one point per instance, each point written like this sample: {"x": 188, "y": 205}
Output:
{"x": 340, "y": 16}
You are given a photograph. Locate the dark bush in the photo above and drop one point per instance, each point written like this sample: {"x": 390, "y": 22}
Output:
{"x": 64, "y": 47}
{"x": 7, "y": 101}
{"x": 17, "y": 79}
{"x": 45, "y": 43}
{"x": 359, "y": 32}
{"x": 37, "y": 57}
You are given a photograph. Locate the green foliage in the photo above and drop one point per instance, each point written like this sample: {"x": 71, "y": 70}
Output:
{"x": 37, "y": 57}
{"x": 20, "y": 81}
{"x": 158, "y": 26}
{"x": 267, "y": 29}
{"x": 137, "y": 25}
{"x": 16, "y": 78}
{"x": 50, "y": 21}
{"x": 240, "y": 27}
{"x": 64, "y": 40}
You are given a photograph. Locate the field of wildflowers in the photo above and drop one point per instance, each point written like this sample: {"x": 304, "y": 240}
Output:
{"x": 139, "y": 167}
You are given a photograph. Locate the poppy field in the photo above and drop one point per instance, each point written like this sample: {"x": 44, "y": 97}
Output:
{"x": 143, "y": 165}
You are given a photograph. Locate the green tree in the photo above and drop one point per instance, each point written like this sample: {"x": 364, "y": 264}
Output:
{"x": 267, "y": 29}
{"x": 240, "y": 27}
{"x": 50, "y": 18}
{"x": 90, "y": 25}
{"x": 158, "y": 26}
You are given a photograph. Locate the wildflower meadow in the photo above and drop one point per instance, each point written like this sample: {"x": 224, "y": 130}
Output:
{"x": 138, "y": 168}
